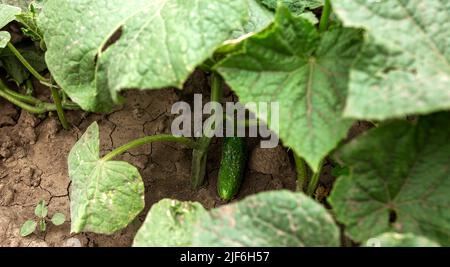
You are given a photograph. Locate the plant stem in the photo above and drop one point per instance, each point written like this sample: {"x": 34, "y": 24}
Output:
{"x": 216, "y": 96}
{"x": 200, "y": 155}
{"x": 26, "y": 64}
{"x": 199, "y": 158}
{"x": 312, "y": 186}
{"x": 22, "y": 105}
{"x": 302, "y": 175}
{"x": 147, "y": 140}
{"x": 59, "y": 108}
{"x": 326, "y": 12}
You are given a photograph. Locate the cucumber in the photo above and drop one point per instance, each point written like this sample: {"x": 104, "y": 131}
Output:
{"x": 232, "y": 167}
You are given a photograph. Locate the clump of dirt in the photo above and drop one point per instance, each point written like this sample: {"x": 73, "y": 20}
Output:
{"x": 33, "y": 164}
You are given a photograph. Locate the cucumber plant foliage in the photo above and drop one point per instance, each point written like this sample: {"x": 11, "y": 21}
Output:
{"x": 386, "y": 62}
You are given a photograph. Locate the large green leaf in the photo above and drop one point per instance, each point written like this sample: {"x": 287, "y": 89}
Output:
{"x": 169, "y": 223}
{"x": 291, "y": 63}
{"x": 161, "y": 43}
{"x": 5, "y": 37}
{"x": 400, "y": 240}
{"x": 399, "y": 181}
{"x": 278, "y": 218}
{"x": 105, "y": 195}
{"x": 405, "y": 66}
{"x": 7, "y": 14}
{"x": 259, "y": 18}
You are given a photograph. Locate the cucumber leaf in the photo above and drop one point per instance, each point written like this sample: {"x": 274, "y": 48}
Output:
{"x": 169, "y": 223}
{"x": 161, "y": 42}
{"x": 7, "y": 14}
{"x": 291, "y": 63}
{"x": 400, "y": 240}
{"x": 22, "y": 4}
{"x": 405, "y": 66}
{"x": 399, "y": 181}
{"x": 105, "y": 195}
{"x": 278, "y": 218}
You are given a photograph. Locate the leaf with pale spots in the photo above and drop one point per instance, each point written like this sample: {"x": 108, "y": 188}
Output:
{"x": 399, "y": 181}
{"x": 58, "y": 218}
{"x": 105, "y": 196}
{"x": 306, "y": 73}
{"x": 271, "y": 219}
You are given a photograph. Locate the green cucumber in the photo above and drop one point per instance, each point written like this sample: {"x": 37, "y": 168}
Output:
{"x": 232, "y": 167}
